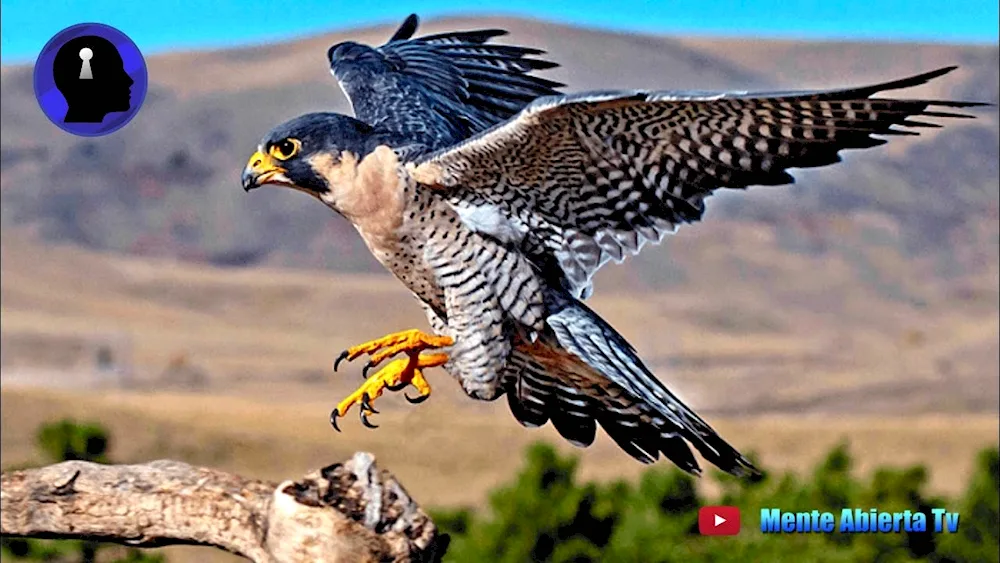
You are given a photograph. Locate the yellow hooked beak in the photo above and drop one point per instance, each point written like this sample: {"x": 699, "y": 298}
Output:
{"x": 261, "y": 169}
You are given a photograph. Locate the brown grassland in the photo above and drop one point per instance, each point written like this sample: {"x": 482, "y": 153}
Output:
{"x": 265, "y": 337}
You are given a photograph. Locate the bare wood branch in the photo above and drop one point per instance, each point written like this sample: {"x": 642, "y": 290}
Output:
{"x": 345, "y": 512}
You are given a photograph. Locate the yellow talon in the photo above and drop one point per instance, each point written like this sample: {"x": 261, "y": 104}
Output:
{"x": 411, "y": 341}
{"x": 397, "y": 374}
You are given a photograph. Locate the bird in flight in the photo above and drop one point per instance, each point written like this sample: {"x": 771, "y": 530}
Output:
{"x": 494, "y": 199}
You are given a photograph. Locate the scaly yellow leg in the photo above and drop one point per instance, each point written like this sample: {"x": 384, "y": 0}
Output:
{"x": 394, "y": 376}
{"x": 410, "y": 341}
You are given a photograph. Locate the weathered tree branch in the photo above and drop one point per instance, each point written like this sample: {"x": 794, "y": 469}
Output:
{"x": 350, "y": 512}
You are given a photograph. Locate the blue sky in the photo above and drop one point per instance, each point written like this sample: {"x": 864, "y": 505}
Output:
{"x": 164, "y": 25}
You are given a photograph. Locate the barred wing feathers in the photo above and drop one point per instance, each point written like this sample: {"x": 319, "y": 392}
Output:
{"x": 444, "y": 87}
{"x": 591, "y": 177}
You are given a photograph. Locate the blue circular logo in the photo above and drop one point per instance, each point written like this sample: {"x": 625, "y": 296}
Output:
{"x": 90, "y": 79}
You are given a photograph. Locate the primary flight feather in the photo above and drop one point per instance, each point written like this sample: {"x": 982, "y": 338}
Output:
{"x": 495, "y": 199}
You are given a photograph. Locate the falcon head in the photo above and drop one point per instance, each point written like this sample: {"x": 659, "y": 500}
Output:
{"x": 308, "y": 153}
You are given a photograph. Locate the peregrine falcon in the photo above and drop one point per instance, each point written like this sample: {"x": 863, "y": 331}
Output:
{"x": 494, "y": 199}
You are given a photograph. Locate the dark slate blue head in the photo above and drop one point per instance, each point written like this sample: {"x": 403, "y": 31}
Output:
{"x": 299, "y": 153}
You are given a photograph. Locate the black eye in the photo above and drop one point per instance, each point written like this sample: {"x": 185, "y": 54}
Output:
{"x": 285, "y": 149}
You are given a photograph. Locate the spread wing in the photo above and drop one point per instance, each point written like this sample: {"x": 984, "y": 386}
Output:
{"x": 586, "y": 178}
{"x": 436, "y": 90}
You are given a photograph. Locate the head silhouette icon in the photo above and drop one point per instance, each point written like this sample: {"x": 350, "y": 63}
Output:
{"x": 90, "y": 74}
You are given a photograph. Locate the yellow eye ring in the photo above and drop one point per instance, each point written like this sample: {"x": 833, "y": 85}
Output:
{"x": 285, "y": 149}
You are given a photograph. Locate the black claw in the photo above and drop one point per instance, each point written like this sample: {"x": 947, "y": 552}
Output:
{"x": 364, "y": 371}
{"x": 364, "y": 420}
{"x": 343, "y": 356}
{"x": 366, "y": 404}
{"x": 418, "y": 400}
{"x": 334, "y": 415}
{"x": 395, "y": 388}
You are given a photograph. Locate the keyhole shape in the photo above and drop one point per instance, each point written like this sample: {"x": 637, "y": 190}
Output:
{"x": 85, "y": 73}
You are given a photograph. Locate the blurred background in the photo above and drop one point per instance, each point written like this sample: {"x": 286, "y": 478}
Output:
{"x": 839, "y": 326}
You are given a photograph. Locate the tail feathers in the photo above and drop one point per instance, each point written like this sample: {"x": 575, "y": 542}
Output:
{"x": 645, "y": 419}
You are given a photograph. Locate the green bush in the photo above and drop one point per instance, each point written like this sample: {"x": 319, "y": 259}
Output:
{"x": 545, "y": 514}
{"x": 68, "y": 440}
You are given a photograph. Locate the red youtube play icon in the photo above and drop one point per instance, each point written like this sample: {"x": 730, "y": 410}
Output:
{"x": 719, "y": 521}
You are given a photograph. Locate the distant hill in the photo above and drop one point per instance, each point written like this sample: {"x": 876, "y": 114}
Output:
{"x": 167, "y": 184}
